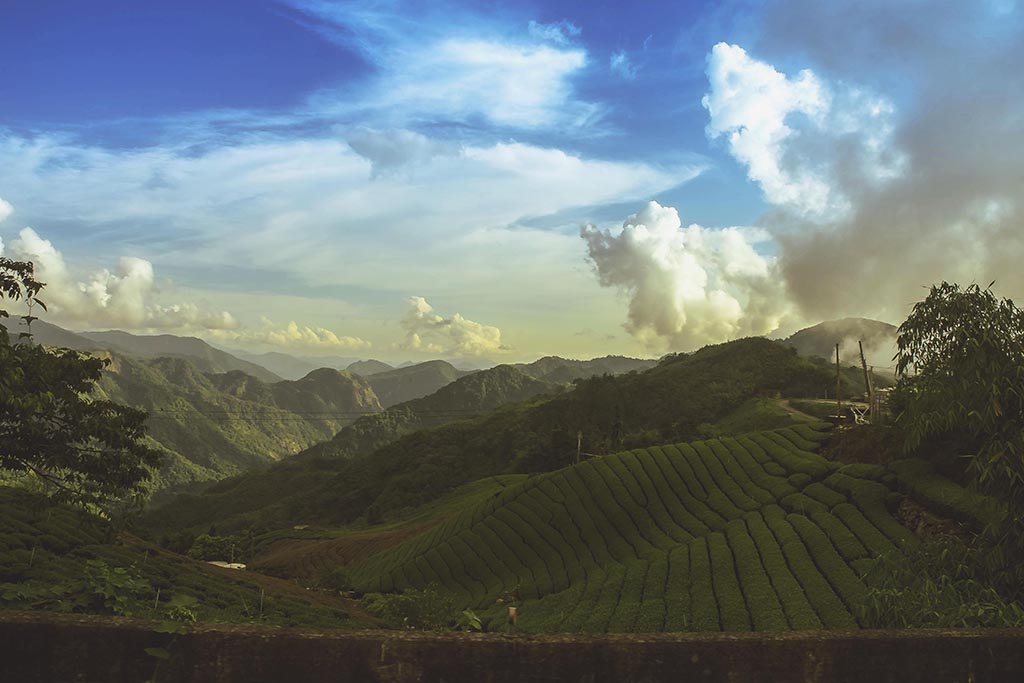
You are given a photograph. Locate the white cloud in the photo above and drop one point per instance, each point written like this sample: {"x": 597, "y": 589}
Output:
{"x": 524, "y": 86}
{"x": 427, "y": 331}
{"x": 687, "y": 286}
{"x": 5, "y": 210}
{"x": 561, "y": 32}
{"x": 476, "y": 72}
{"x": 125, "y": 297}
{"x": 621, "y": 65}
{"x": 312, "y": 208}
{"x": 295, "y": 337}
{"x": 797, "y": 135}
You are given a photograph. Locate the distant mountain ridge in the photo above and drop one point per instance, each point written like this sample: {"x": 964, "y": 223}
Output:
{"x": 414, "y": 381}
{"x": 369, "y": 367}
{"x": 565, "y": 370}
{"x": 281, "y": 364}
{"x": 201, "y": 354}
{"x": 467, "y": 397}
{"x": 213, "y": 425}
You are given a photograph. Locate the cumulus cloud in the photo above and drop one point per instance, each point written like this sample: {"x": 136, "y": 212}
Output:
{"x": 948, "y": 131}
{"x": 5, "y": 210}
{"x": 295, "y": 337}
{"x": 687, "y": 286}
{"x": 561, "y": 32}
{"x": 124, "y": 297}
{"x": 427, "y": 331}
{"x": 622, "y": 66}
{"x": 797, "y": 136}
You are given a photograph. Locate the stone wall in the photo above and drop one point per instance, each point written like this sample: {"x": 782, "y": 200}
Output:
{"x": 48, "y": 647}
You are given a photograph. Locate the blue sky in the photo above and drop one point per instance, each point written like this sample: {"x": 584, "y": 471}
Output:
{"x": 416, "y": 179}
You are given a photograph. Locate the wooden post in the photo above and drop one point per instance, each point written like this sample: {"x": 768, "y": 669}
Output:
{"x": 579, "y": 445}
{"x": 864, "y": 366}
{"x": 839, "y": 401}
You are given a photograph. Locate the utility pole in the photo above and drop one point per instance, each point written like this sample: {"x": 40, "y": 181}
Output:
{"x": 839, "y": 401}
{"x": 864, "y": 366}
{"x": 579, "y": 445}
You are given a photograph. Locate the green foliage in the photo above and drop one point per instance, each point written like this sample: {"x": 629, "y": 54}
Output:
{"x": 414, "y": 608}
{"x": 966, "y": 348}
{"x": 942, "y": 583}
{"x": 86, "y": 451}
{"x": 207, "y": 547}
{"x": 334, "y": 577}
{"x": 119, "y": 590}
{"x": 918, "y": 477}
{"x": 57, "y": 557}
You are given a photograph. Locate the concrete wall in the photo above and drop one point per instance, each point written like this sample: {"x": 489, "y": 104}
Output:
{"x": 47, "y": 647}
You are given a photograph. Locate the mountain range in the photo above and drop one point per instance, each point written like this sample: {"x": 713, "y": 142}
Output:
{"x": 676, "y": 400}
{"x": 205, "y": 357}
{"x": 216, "y": 415}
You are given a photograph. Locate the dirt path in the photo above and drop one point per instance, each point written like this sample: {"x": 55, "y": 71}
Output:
{"x": 784, "y": 404}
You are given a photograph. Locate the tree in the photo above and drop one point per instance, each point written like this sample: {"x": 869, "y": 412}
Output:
{"x": 84, "y": 450}
{"x": 961, "y": 361}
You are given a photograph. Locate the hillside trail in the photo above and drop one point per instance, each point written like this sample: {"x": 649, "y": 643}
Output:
{"x": 784, "y": 404}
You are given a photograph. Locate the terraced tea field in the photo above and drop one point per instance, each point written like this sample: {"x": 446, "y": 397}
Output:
{"x": 756, "y": 532}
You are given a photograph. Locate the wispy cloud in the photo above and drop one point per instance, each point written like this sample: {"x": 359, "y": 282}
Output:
{"x": 622, "y": 66}
{"x": 427, "y": 69}
{"x": 562, "y": 32}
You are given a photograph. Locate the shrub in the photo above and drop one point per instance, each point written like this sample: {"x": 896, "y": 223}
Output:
{"x": 703, "y": 605}
{"x": 414, "y": 608}
{"x": 942, "y": 583}
{"x": 732, "y": 607}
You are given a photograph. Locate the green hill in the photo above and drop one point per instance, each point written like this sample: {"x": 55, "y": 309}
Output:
{"x": 365, "y": 368}
{"x": 678, "y": 400}
{"x": 564, "y": 370}
{"x": 467, "y": 397}
{"x": 736, "y": 534}
{"x": 215, "y": 425}
{"x": 414, "y": 381}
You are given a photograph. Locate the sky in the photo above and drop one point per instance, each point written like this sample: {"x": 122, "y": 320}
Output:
{"x": 497, "y": 182}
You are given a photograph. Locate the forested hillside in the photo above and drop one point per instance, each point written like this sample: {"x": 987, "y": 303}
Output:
{"x": 470, "y": 396}
{"x": 672, "y": 402}
{"x": 414, "y": 381}
{"x": 215, "y": 425}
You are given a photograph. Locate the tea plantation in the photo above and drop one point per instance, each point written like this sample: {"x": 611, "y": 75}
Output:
{"x": 755, "y": 532}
